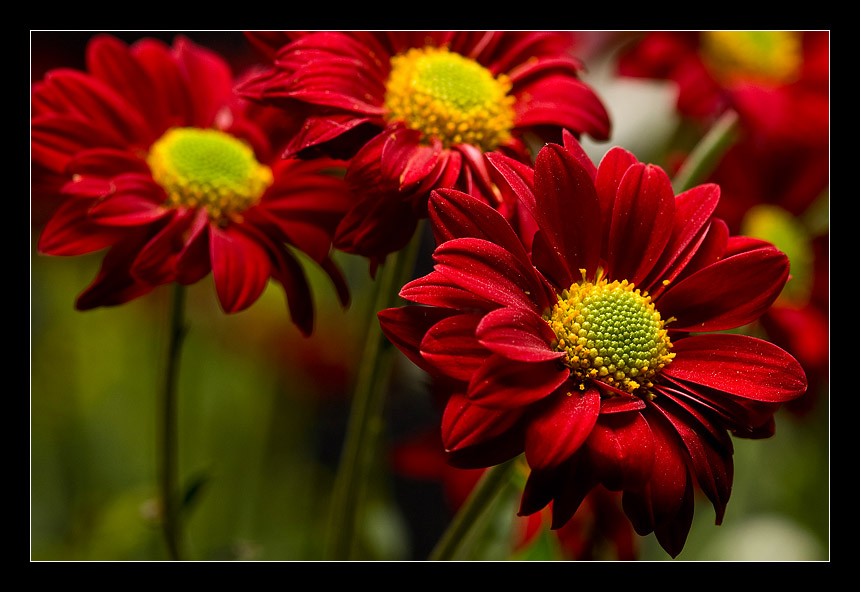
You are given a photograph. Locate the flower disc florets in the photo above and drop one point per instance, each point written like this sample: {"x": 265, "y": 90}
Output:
{"x": 208, "y": 168}
{"x": 764, "y": 56}
{"x": 612, "y": 333}
{"x": 450, "y": 97}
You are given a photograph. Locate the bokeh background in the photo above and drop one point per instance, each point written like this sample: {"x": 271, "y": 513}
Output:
{"x": 263, "y": 410}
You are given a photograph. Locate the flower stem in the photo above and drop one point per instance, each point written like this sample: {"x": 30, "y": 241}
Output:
{"x": 169, "y": 428}
{"x": 365, "y": 421}
{"x": 706, "y": 154}
{"x": 470, "y": 516}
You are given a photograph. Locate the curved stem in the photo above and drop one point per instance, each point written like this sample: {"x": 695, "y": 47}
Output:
{"x": 704, "y": 157}
{"x": 469, "y": 518}
{"x": 365, "y": 421}
{"x": 169, "y": 428}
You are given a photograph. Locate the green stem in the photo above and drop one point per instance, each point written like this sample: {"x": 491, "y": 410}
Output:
{"x": 169, "y": 428}
{"x": 365, "y": 422}
{"x": 470, "y": 517}
{"x": 705, "y": 156}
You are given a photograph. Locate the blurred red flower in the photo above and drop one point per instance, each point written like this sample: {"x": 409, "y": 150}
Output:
{"x": 595, "y": 352}
{"x": 152, "y": 157}
{"x": 415, "y": 110}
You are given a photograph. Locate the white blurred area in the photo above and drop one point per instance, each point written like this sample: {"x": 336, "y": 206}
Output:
{"x": 642, "y": 111}
{"x": 766, "y": 537}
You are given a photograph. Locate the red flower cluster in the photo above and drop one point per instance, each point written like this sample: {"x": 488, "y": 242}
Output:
{"x": 176, "y": 182}
{"x": 416, "y": 110}
{"x": 594, "y": 351}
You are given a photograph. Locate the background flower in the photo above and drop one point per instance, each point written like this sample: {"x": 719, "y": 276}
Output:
{"x": 416, "y": 109}
{"x": 132, "y": 138}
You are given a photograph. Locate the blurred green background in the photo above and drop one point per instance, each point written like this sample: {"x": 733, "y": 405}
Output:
{"x": 263, "y": 411}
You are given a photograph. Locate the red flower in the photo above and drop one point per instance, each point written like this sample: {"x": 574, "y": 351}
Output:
{"x": 416, "y": 110}
{"x": 163, "y": 166}
{"x": 595, "y": 352}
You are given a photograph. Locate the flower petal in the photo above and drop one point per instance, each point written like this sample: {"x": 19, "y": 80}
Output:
{"x": 509, "y": 384}
{"x": 491, "y": 272}
{"x": 241, "y": 268}
{"x": 406, "y": 327}
{"x": 435, "y": 289}
{"x": 693, "y": 210}
{"x": 568, "y": 208}
{"x": 451, "y": 347}
{"x": 518, "y": 335}
{"x": 455, "y": 214}
{"x": 559, "y": 426}
{"x": 732, "y": 292}
{"x": 466, "y": 424}
{"x": 739, "y": 365}
{"x": 70, "y": 232}
{"x": 642, "y": 222}
{"x": 621, "y": 450}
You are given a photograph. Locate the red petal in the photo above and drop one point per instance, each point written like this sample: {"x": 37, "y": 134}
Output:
{"x": 114, "y": 284}
{"x": 156, "y": 262}
{"x": 466, "y": 424}
{"x": 455, "y": 214}
{"x": 518, "y": 176}
{"x": 508, "y": 384}
{"x": 642, "y": 222}
{"x": 71, "y": 232}
{"x": 738, "y": 365}
{"x": 435, "y": 289}
{"x": 240, "y": 266}
{"x": 203, "y": 68}
{"x": 730, "y": 293}
{"x": 611, "y": 169}
{"x": 518, "y": 335}
{"x": 110, "y": 60}
{"x": 491, "y": 272}
{"x": 567, "y": 209}
{"x": 559, "y": 426}
{"x": 406, "y": 327}
{"x": 101, "y": 106}
{"x": 665, "y": 504}
{"x": 452, "y": 348}
{"x": 711, "y": 457}
{"x": 621, "y": 449}
{"x": 693, "y": 210}
{"x": 564, "y": 101}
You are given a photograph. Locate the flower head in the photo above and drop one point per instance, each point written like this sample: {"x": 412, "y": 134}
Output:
{"x": 596, "y": 350}
{"x": 163, "y": 166}
{"x": 416, "y": 110}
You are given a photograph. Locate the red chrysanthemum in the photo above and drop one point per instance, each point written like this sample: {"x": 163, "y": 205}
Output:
{"x": 416, "y": 109}
{"x": 595, "y": 351}
{"x": 162, "y": 165}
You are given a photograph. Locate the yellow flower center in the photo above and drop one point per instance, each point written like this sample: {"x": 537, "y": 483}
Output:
{"x": 612, "y": 333}
{"x": 760, "y": 56}
{"x": 208, "y": 168}
{"x": 450, "y": 97}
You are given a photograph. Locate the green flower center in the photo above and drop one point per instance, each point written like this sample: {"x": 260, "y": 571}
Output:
{"x": 450, "y": 97}
{"x": 208, "y": 168}
{"x": 760, "y": 56}
{"x": 612, "y": 333}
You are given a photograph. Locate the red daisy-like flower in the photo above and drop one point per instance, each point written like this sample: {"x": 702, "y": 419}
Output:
{"x": 163, "y": 165}
{"x": 596, "y": 352}
{"x": 417, "y": 109}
